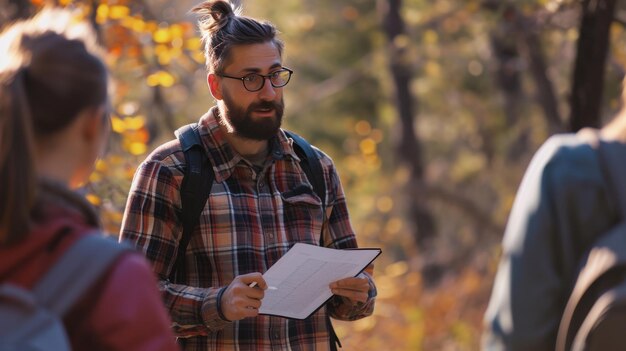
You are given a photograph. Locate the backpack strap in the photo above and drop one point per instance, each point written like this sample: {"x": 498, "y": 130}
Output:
{"x": 312, "y": 167}
{"x": 77, "y": 270}
{"x": 610, "y": 308}
{"x": 194, "y": 192}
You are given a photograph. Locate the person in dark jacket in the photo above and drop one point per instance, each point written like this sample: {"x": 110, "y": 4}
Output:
{"x": 562, "y": 206}
{"x": 54, "y": 123}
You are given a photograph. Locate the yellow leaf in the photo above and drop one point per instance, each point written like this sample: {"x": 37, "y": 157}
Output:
{"x": 161, "y": 49}
{"x": 176, "y": 31}
{"x": 164, "y": 59}
{"x": 367, "y": 146}
{"x": 118, "y": 12}
{"x": 166, "y": 79}
{"x": 94, "y": 199}
{"x": 199, "y": 56}
{"x": 193, "y": 44}
{"x": 134, "y": 123}
{"x": 133, "y": 23}
{"x": 162, "y": 78}
{"x": 153, "y": 80}
{"x": 102, "y": 13}
{"x": 118, "y": 125}
{"x": 151, "y": 27}
{"x": 176, "y": 52}
{"x": 101, "y": 166}
{"x": 137, "y": 148}
{"x": 138, "y": 25}
{"x": 162, "y": 36}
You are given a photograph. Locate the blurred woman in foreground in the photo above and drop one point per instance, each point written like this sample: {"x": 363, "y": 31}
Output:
{"x": 54, "y": 123}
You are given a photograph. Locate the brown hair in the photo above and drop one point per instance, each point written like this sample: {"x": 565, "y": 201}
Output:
{"x": 222, "y": 27}
{"x": 50, "y": 71}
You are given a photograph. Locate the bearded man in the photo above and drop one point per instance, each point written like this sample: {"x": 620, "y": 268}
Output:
{"x": 261, "y": 203}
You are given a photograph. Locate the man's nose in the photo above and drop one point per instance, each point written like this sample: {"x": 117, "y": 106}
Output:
{"x": 267, "y": 92}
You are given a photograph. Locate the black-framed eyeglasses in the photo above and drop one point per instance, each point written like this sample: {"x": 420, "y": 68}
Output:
{"x": 255, "y": 82}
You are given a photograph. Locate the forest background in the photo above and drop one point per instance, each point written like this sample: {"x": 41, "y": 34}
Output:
{"x": 431, "y": 111}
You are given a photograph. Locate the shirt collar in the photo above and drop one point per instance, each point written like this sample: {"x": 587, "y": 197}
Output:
{"x": 223, "y": 157}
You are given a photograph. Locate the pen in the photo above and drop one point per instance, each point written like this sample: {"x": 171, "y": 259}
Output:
{"x": 253, "y": 284}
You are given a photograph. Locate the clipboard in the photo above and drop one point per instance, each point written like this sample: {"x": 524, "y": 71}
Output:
{"x": 300, "y": 279}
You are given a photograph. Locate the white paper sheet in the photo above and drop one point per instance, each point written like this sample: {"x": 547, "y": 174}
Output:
{"x": 303, "y": 274}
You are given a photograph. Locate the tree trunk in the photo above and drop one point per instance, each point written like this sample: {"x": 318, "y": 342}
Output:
{"x": 588, "y": 79}
{"x": 533, "y": 50}
{"x": 516, "y": 44}
{"x": 504, "y": 44}
{"x": 409, "y": 148}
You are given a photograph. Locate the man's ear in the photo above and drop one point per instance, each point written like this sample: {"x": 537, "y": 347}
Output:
{"x": 215, "y": 86}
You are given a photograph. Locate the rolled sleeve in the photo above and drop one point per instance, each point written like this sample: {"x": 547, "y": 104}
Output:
{"x": 345, "y": 309}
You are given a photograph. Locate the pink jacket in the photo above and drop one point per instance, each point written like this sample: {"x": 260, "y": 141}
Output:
{"x": 122, "y": 311}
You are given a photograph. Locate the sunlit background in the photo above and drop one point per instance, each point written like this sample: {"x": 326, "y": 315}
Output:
{"x": 431, "y": 111}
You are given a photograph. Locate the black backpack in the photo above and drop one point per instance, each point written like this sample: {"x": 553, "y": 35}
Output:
{"x": 595, "y": 314}
{"x": 198, "y": 180}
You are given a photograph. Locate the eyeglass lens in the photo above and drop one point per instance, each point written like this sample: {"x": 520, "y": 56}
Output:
{"x": 278, "y": 79}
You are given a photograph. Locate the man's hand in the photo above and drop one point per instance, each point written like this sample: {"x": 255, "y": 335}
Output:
{"x": 355, "y": 289}
{"x": 239, "y": 300}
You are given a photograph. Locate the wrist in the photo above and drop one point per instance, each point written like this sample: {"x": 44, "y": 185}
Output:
{"x": 219, "y": 304}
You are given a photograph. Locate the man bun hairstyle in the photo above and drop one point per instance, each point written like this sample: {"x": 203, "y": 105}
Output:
{"x": 222, "y": 27}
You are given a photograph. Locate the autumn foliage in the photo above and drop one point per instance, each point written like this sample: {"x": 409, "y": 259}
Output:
{"x": 476, "y": 114}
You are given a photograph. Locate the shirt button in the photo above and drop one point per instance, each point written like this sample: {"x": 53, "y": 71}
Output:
{"x": 275, "y": 335}
{"x": 271, "y": 235}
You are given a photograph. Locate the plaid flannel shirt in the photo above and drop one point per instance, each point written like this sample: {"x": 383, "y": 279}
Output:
{"x": 251, "y": 219}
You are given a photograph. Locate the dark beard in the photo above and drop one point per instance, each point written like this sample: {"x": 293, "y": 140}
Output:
{"x": 245, "y": 126}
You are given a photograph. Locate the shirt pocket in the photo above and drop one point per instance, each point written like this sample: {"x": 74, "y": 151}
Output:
{"x": 302, "y": 215}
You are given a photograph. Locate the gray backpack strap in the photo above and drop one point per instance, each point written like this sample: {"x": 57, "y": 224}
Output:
{"x": 76, "y": 271}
